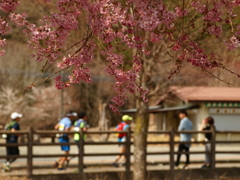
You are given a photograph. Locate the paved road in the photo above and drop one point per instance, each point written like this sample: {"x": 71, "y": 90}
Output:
{"x": 101, "y": 162}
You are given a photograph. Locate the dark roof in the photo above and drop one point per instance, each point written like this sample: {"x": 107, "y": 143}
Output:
{"x": 155, "y": 109}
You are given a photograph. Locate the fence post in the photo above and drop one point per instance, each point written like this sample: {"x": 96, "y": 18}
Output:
{"x": 128, "y": 150}
{"x": 213, "y": 148}
{"x": 81, "y": 151}
{"x": 171, "y": 144}
{"x": 30, "y": 152}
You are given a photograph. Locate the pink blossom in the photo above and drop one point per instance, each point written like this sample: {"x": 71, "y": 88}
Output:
{"x": 128, "y": 34}
{"x": 180, "y": 12}
{"x": 215, "y": 30}
{"x": 237, "y": 2}
{"x": 8, "y": 5}
{"x": 19, "y": 19}
{"x": 233, "y": 43}
{"x": 201, "y": 8}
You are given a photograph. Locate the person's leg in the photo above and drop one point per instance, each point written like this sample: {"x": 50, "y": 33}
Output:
{"x": 207, "y": 155}
{"x": 186, "y": 148}
{"x": 62, "y": 160}
{"x": 123, "y": 150}
{"x": 120, "y": 147}
{"x": 6, "y": 165}
{"x": 56, "y": 163}
{"x": 66, "y": 149}
{"x": 10, "y": 151}
{"x": 180, "y": 149}
{"x": 13, "y": 151}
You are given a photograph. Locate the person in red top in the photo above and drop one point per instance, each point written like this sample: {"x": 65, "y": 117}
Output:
{"x": 123, "y": 126}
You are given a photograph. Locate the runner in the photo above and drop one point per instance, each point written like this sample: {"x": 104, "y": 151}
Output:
{"x": 12, "y": 138}
{"x": 123, "y": 126}
{"x": 64, "y": 125}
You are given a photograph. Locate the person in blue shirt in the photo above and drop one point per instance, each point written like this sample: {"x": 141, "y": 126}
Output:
{"x": 123, "y": 126}
{"x": 12, "y": 138}
{"x": 64, "y": 125}
{"x": 185, "y": 125}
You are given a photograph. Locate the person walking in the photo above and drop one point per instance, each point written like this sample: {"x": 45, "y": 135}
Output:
{"x": 185, "y": 125}
{"x": 207, "y": 124}
{"x": 81, "y": 123}
{"x": 123, "y": 126}
{"x": 64, "y": 125}
{"x": 12, "y": 138}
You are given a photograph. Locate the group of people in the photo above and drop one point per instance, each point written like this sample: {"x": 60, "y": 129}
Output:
{"x": 186, "y": 125}
{"x": 66, "y": 124}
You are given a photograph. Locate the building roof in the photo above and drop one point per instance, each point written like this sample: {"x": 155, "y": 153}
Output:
{"x": 156, "y": 109}
{"x": 187, "y": 94}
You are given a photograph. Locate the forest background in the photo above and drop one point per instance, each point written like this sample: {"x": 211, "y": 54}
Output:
{"x": 43, "y": 105}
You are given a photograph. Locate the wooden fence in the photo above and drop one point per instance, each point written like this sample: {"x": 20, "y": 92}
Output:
{"x": 30, "y": 143}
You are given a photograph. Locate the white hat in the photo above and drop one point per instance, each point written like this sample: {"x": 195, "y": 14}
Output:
{"x": 15, "y": 115}
{"x": 72, "y": 114}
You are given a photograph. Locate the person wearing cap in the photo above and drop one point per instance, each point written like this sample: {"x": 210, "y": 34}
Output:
{"x": 123, "y": 126}
{"x": 64, "y": 125}
{"x": 12, "y": 138}
{"x": 81, "y": 123}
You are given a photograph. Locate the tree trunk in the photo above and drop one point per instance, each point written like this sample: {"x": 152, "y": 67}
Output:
{"x": 103, "y": 122}
{"x": 140, "y": 137}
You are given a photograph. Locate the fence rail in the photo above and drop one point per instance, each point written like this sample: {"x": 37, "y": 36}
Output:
{"x": 81, "y": 154}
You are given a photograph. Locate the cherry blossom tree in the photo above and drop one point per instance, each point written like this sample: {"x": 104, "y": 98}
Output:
{"x": 126, "y": 32}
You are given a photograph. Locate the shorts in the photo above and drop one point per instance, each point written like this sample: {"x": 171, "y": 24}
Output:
{"x": 64, "y": 139}
{"x": 122, "y": 139}
{"x": 12, "y": 151}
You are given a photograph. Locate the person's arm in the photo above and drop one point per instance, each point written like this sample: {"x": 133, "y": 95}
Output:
{"x": 67, "y": 129}
{"x": 85, "y": 126}
{"x": 203, "y": 125}
{"x": 116, "y": 128}
{"x": 15, "y": 128}
{"x": 56, "y": 127}
{"x": 181, "y": 126}
{"x": 68, "y": 126}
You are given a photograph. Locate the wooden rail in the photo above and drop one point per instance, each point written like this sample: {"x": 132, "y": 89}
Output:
{"x": 81, "y": 154}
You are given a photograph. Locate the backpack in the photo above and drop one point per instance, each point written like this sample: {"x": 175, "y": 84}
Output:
{"x": 120, "y": 128}
{"x": 8, "y": 127}
{"x": 77, "y": 125}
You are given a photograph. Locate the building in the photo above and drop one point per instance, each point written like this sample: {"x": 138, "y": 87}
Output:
{"x": 222, "y": 103}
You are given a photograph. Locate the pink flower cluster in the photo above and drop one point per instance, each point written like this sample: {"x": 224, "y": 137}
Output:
{"x": 233, "y": 43}
{"x": 180, "y": 12}
{"x": 125, "y": 31}
{"x": 19, "y": 19}
{"x": 8, "y": 5}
